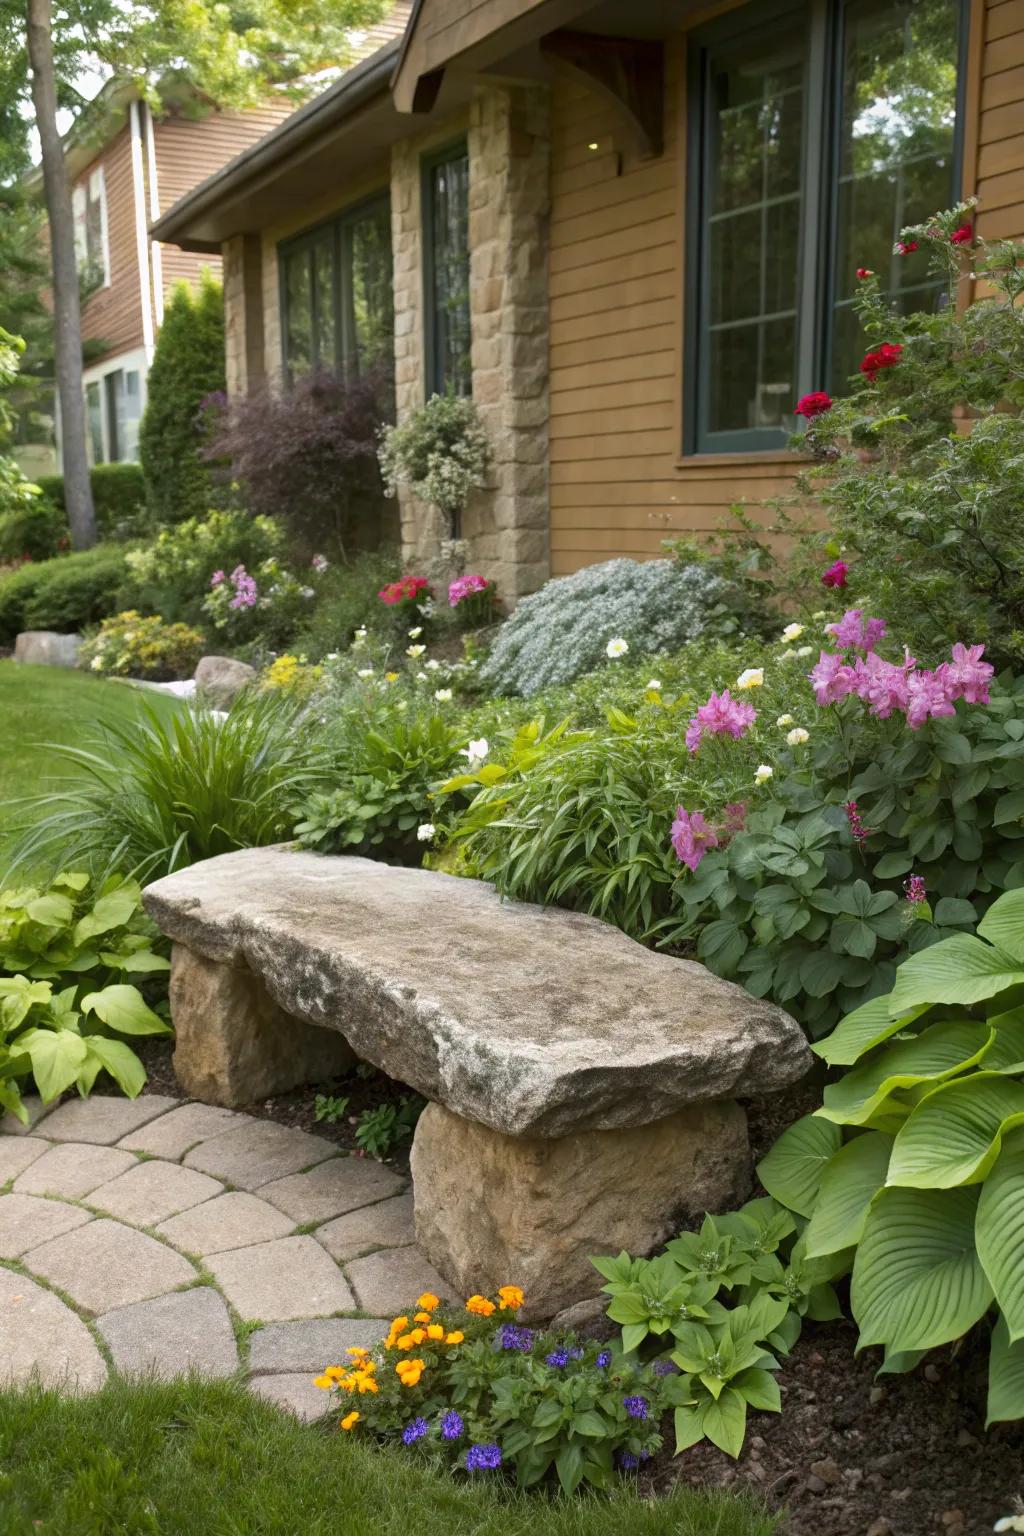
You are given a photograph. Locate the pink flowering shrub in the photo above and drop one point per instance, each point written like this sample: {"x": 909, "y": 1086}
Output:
{"x": 473, "y": 598}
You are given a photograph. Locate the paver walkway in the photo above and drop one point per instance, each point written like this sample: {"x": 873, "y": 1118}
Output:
{"x": 162, "y": 1236}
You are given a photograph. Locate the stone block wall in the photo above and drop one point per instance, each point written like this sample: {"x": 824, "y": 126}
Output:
{"x": 243, "y": 314}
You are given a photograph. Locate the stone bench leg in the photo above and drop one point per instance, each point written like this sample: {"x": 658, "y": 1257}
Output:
{"x": 500, "y": 1210}
{"x": 234, "y": 1045}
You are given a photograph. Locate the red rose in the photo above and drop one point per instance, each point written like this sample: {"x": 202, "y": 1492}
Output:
{"x": 887, "y": 356}
{"x": 835, "y": 576}
{"x": 906, "y": 246}
{"x": 962, "y": 236}
{"x": 814, "y": 404}
{"x": 863, "y": 272}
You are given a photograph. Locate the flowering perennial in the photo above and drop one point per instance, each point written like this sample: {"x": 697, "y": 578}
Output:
{"x": 407, "y": 590}
{"x": 465, "y": 586}
{"x": 886, "y": 686}
{"x": 886, "y": 356}
{"x": 835, "y": 576}
{"x": 721, "y": 715}
{"x": 814, "y": 404}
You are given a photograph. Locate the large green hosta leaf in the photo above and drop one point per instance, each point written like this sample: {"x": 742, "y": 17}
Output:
{"x": 999, "y": 1232}
{"x": 962, "y": 969}
{"x": 917, "y": 1281}
{"x": 865, "y": 1027}
{"x": 1005, "y": 1376}
{"x": 1006, "y": 1053}
{"x": 848, "y": 1185}
{"x": 1003, "y": 924}
{"x": 792, "y": 1170}
{"x": 955, "y": 1134}
{"x": 936, "y": 1053}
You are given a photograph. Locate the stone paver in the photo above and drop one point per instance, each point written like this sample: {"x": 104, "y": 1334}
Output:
{"x": 27, "y": 1221}
{"x": 313, "y": 1343}
{"x": 384, "y": 1282}
{"x": 42, "y": 1338}
{"x": 104, "y": 1119}
{"x": 105, "y": 1265}
{"x": 72, "y": 1170}
{"x": 331, "y": 1189}
{"x": 235, "y": 1220}
{"x": 297, "y": 1394}
{"x": 172, "y": 1335}
{"x": 34, "y": 1107}
{"x": 151, "y": 1192}
{"x": 174, "y": 1133}
{"x": 388, "y": 1224}
{"x": 15, "y": 1154}
{"x": 291, "y": 1277}
{"x": 253, "y": 1154}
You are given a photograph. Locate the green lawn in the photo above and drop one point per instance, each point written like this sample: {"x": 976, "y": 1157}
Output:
{"x": 52, "y": 704}
{"x": 194, "y": 1459}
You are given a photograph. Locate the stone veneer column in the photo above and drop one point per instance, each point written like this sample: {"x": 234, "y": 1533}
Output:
{"x": 506, "y": 525}
{"x": 243, "y": 314}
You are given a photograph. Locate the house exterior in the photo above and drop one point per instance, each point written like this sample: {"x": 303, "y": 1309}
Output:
{"x": 630, "y": 231}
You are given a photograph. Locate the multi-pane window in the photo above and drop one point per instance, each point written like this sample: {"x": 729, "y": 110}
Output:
{"x": 94, "y": 419}
{"x": 89, "y": 211}
{"x": 819, "y": 129}
{"x": 336, "y": 292}
{"x": 124, "y": 412}
{"x": 446, "y": 271}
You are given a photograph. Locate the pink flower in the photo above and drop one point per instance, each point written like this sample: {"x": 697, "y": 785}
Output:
{"x": 856, "y": 632}
{"x": 835, "y": 576}
{"x": 928, "y": 697}
{"x": 906, "y": 246}
{"x": 464, "y": 586}
{"x": 245, "y": 588}
{"x": 691, "y": 837}
{"x": 814, "y": 404}
{"x": 967, "y": 675}
{"x": 914, "y": 889}
{"x": 832, "y": 678}
{"x": 864, "y": 272}
{"x": 882, "y": 684}
{"x": 217, "y": 578}
{"x": 962, "y": 236}
{"x": 720, "y": 716}
{"x": 319, "y": 564}
{"x": 734, "y": 817}
{"x": 858, "y": 831}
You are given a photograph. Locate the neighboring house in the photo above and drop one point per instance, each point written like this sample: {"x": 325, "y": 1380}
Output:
{"x": 631, "y": 230}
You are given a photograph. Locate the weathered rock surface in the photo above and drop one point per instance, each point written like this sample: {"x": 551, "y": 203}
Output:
{"x": 550, "y": 1204}
{"x": 220, "y": 679}
{"x": 234, "y": 1045}
{"x": 532, "y": 1022}
{"x": 47, "y": 648}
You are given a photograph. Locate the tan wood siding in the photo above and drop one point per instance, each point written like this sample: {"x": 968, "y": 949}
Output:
{"x": 113, "y": 314}
{"x": 998, "y": 143}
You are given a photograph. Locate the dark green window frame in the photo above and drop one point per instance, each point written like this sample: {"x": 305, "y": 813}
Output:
{"x": 336, "y": 235}
{"x": 816, "y": 280}
{"x": 439, "y": 374}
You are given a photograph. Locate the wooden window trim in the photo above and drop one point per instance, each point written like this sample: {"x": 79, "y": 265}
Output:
{"x": 456, "y": 149}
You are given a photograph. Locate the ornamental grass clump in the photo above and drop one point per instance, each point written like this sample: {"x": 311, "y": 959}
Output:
{"x": 475, "y": 1390}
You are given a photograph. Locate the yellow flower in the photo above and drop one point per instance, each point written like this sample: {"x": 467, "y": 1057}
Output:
{"x": 410, "y": 1371}
{"x": 405, "y": 1342}
{"x": 454, "y": 1338}
{"x": 480, "y": 1305}
{"x": 332, "y": 1377}
{"x": 753, "y": 677}
{"x": 435, "y": 1331}
{"x": 359, "y": 1353}
{"x": 391, "y": 677}
{"x": 398, "y": 1326}
{"x": 511, "y": 1297}
{"x": 428, "y": 1301}
{"x": 422, "y": 1317}
{"x": 350, "y": 1419}
{"x": 363, "y": 1383}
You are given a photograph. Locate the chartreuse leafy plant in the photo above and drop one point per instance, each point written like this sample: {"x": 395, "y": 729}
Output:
{"x": 727, "y": 1300}
{"x": 911, "y": 1174}
{"x": 65, "y": 954}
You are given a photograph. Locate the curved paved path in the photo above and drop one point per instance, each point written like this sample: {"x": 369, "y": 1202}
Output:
{"x": 160, "y": 1235}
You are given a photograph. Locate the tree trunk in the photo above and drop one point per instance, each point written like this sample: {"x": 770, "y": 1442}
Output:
{"x": 67, "y": 309}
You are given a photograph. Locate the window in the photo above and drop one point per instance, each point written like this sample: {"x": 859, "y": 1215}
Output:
{"x": 94, "y": 419}
{"x": 818, "y": 132}
{"x": 123, "y": 406}
{"x": 89, "y": 210}
{"x": 446, "y": 271}
{"x": 336, "y": 294}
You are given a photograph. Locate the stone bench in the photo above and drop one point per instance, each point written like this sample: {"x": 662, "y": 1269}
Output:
{"x": 581, "y": 1087}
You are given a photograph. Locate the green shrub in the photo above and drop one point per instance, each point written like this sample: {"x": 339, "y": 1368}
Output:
{"x": 34, "y": 528}
{"x": 346, "y": 601}
{"x": 67, "y": 593}
{"x": 441, "y": 452}
{"x": 188, "y": 366}
{"x": 118, "y": 495}
{"x": 153, "y": 795}
{"x": 913, "y": 1168}
{"x": 65, "y": 954}
{"x": 171, "y": 574}
{"x": 129, "y": 645}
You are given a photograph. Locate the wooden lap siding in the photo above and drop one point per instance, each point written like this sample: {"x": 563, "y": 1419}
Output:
{"x": 999, "y": 166}
{"x": 113, "y": 314}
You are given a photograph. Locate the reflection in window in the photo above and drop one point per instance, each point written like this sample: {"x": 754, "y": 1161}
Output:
{"x": 446, "y": 211}
{"x": 336, "y": 285}
{"x": 94, "y": 418}
{"x": 372, "y": 317}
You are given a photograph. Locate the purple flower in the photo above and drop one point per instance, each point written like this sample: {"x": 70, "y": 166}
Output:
{"x": 664, "y": 1368}
{"x": 856, "y": 632}
{"x": 858, "y": 831}
{"x": 245, "y": 588}
{"x": 604, "y": 1359}
{"x": 691, "y": 837}
{"x": 722, "y": 715}
{"x": 514, "y": 1337}
{"x": 628, "y": 1462}
{"x": 483, "y": 1458}
{"x": 832, "y": 678}
{"x": 967, "y": 675}
{"x": 636, "y": 1407}
{"x": 576, "y": 1354}
{"x": 557, "y": 1358}
{"x": 414, "y": 1431}
{"x": 914, "y": 889}
{"x": 217, "y": 578}
{"x": 452, "y": 1427}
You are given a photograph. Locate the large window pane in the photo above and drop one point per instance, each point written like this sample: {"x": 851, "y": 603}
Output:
{"x": 298, "y": 297}
{"x": 325, "y": 335}
{"x": 336, "y": 285}
{"x": 896, "y": 151}
{"x": 94, "y": 417}
{"x": 372, "y": 295}
{"x": 447, "y": 208}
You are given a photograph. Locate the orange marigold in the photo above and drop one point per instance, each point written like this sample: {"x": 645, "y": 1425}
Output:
{"x": 435, "y": 1331}
{"x": 511, "y": 1297}
{"x": 454, "y": 1338}
{"x": 428, "y": 1301}
{"x": 350, "y": 1419}
{"x": 480, "y": 1305}
{"x": 422, "y": 1317}
{"x": 410, "y": 1371}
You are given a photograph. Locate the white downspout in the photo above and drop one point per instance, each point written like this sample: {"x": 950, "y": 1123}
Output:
{"x": 154, "y": 214}
{"x": 141, "y": 229}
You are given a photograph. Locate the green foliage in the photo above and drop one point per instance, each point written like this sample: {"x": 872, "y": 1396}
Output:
{"x": 129, "y": 645}
{"x": 171, "y": 574}
{"x": 346, "y": 601}
{"x": 912, "y": 1170}
{"x": 35, "y": 528}
{"x": 441, "y": 452}
{"x": 67, "y": 593}
{"x": 118, "y": 496}
{"x": 15, "y": 489}
{"x": 187, "y": 366}
{"x": 65, "y": 954}
{"x": 330, "y": 1108}
{"x": 729, "y": 1298}
{"x": 387, "y": 771}
{"x": 155, "y": 795}
{"x": 389, "y": 1125}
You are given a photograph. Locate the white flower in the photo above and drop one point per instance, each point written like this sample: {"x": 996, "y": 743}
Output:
{"x": 476, "y": 752}
{"x": 784, "y": 720}
{"x": 431, "y": 665}
{"x": 402, "y": 704}
{"x": 819, "y": 615}
{"x": 788, "y": 655}
{"x": 415, "y": 650}
{"x": 331, "y": 656}
{"x": 792, "y": 632}
{"x": 97, "y": 664}
{"x": 365, "y": 672}
{"x": 358, "y": 639}
{"x": 797, "y": 737}
{"x": 616, "y": 648}
{"x": 806, "y": 650}
{"x": 753, "y": 677}
{"x": 421, "y": 677}
{"x": 654, "y": 684}
{"x": 426, "y": 832}
{"x": 763, "y": 774}
{"x": 1010, "y": 1523}
{"x": 414, "y": 634}
{"x": 442, "y": 695}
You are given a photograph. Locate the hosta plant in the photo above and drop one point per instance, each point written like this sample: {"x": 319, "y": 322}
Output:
{"x": 912, "y": 1171}
{"x": 68, "y": 959}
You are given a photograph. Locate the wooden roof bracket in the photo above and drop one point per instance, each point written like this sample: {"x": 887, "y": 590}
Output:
{"x": 627, "y": 71}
